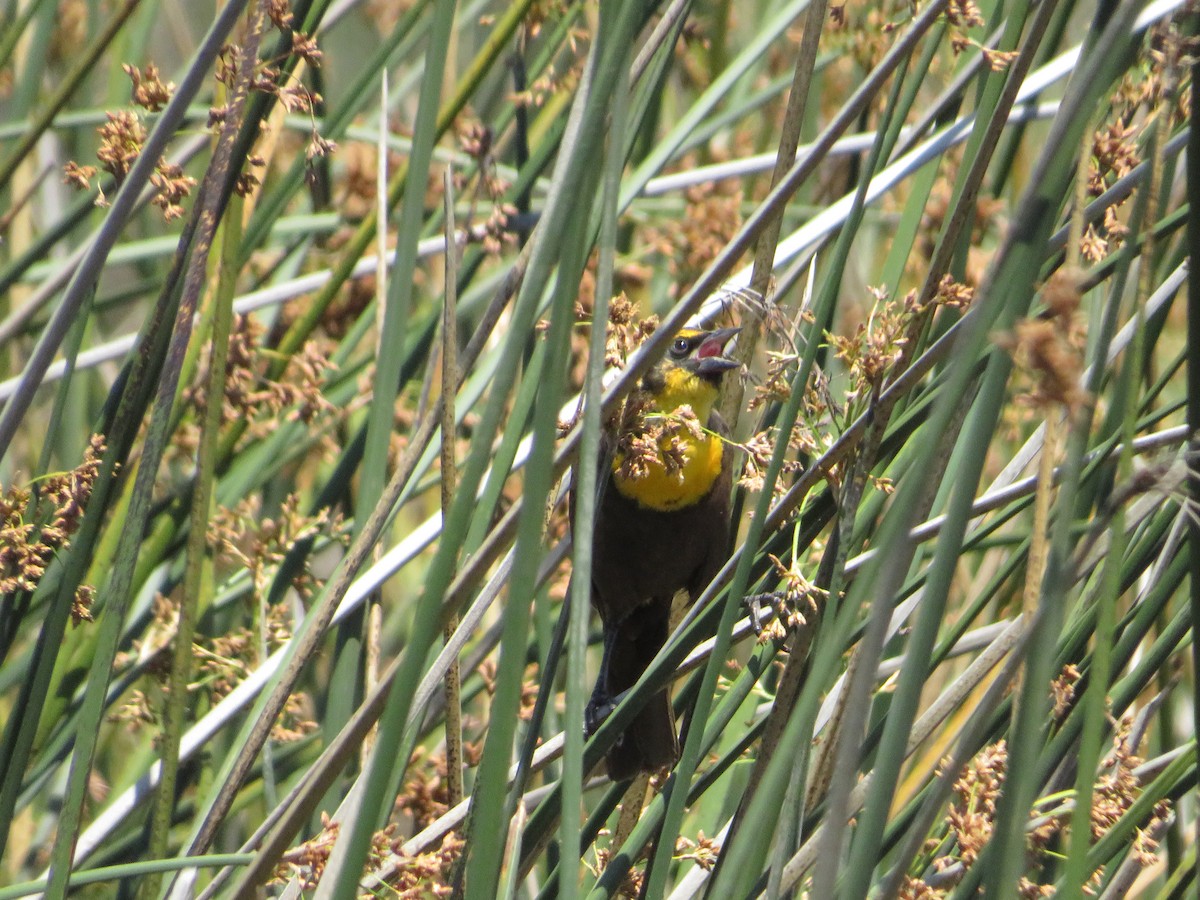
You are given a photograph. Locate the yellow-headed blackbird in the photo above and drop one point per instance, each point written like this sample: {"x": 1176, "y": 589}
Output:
{"x": 662, "y": 526}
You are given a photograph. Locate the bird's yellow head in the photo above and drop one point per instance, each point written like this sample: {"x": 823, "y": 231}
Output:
{"x": 690, "y": 374}
{"x": 664, "y": 461}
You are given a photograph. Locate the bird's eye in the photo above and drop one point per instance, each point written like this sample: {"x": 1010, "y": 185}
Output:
{"x": 680, "y": 347}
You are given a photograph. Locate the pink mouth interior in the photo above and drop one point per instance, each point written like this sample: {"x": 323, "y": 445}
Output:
{"x": 710, "y": 348}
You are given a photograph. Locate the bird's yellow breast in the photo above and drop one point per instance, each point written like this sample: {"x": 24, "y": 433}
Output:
{"x": 663, "y": 488}
{"x": 666, "y": 486}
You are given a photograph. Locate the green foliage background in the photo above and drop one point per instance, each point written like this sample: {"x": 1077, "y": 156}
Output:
{"x": 971, "y": 386}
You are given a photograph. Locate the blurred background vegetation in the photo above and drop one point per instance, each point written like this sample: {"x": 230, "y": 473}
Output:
{"x": 316, "y": 638}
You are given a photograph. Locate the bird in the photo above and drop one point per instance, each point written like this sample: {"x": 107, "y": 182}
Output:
{"x": 661, "y": 526}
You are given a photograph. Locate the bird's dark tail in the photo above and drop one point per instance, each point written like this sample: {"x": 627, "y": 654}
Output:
{"x": 650, "y": 743}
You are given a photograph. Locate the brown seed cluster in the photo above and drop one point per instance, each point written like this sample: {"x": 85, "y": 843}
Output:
{"x": 631, "y": 885}
{"x": 810, "y": 436}
{"x": 916, "y": 889}
{"x": 963, "y": 15}
{"x": 626, "y": 331}
{"x": 874, "y": 352}
{"x": 248, "y": 540}
{"x": 173, "y": 188}
{"x": 703, "y": 851}
{"x": 876, "y": 346}
{"x": 1062, "y": 691}
{"x": 306, "y": 863}
{"x": 121, "y": 139}
{"x": 529, "y": 687}
{"x": 972, "y": 814}
{"x": 542, "y": 11}
{"x": 71, "y": 21}
{"x": 416, "y": 878}
{"x": 426, "y": 874}
{"x": 475, "y": 139}
{"x": 360, "y": 178}
{"x": 244, "y": 539}
{"x": 861, "y": 33}
{"x": 425, "y": 796}
{"x": 269, "y": 78}
{"x": 1049, "y": 349}
{"x": 647, "y": 438}
{"x": 800, "y": 599}
{"x": 36, "y": 522}
{"x": 712, "y": 216}
{"x": 557, "y": 80}
{"x": 1149, "y": 93}
{"x": 260, "y": 402}
{"x": 758, "y": 449}
{"x": 148, "y": 92}
{"x": 1114, "y": 155}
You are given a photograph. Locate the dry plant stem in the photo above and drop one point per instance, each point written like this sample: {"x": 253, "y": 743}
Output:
{"x": 669, "y": 22}
{"x": 768, "y": 240}
{"x": 963, "y": 211}
{"x": 1011, "y": 642}
{"x": 198, "y": 557}
{"x": 123, "y": 204}
{"x": 1039, "y": 545}
{"x": 1126, "y": 876}
{"x": 275, "y": 833}
{"x": 864, "y": 461}
{"x": 454, "y": 775}
{"x": 308, "y": 643}
{"x": 631, "y": 809}
{"x": 512, "y": 850}
{"x": 21, "y": 201}
{"x": 374, "y": 619}
{"x": 302, "y": 803}
{"x": 206, "y": 217}
{"x": 371, "y": 676}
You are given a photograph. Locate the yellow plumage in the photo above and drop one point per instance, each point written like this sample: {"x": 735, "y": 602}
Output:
{"x": 665, "y": 487}
{"x": 661, "y": 528}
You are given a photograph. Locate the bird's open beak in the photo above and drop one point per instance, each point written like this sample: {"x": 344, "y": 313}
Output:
{"x": 711, "y": 354}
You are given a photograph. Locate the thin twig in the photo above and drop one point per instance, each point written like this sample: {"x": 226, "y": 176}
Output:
{"x": 454, "y": 755}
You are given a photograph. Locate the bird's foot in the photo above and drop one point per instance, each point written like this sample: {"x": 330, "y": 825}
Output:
{"x": 597, "y": 710}
{"x": 754, "y": 607}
